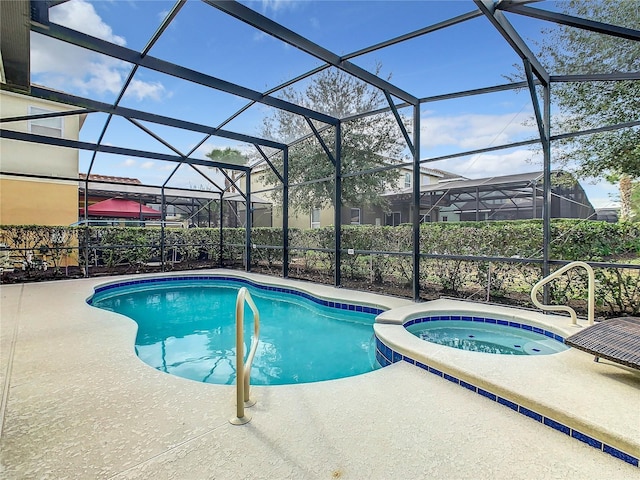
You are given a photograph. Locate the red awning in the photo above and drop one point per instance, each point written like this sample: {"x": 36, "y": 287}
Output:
{"x": 121, "y": 208}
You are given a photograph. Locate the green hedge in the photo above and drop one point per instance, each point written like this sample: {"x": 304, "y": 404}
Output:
{"x": 618, "y": 290}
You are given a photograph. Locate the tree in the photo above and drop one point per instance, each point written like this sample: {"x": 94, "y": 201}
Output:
{"x": 228, "y": 155}
{"x": 585, "y": 105}
{"x": 367, "y": 143}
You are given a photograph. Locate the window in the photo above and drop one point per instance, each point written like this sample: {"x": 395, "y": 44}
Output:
{"x": 315, "y": 218}
{"x": 51, "y": 127}
{"x": 407, "y": 180}
{"x": 444, "y": 218}
{"x": 355, "y": 216}
{"x": 392, "y": 219}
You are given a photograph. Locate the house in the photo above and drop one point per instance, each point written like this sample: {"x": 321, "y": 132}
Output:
{"x": 351, "y": 214}
{"x": 446, "y": 197}
{"x": 30, "y": 172}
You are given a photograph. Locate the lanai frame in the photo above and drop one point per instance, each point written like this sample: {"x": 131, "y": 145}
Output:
{"x": 536, "y": 76}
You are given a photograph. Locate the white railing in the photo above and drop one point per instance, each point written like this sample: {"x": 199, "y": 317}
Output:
{"x": 243, "y": 369}
{"x": 565, "y": 308}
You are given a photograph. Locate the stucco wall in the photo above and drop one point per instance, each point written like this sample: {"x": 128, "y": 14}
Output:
{"x": 37, "y": 201}
{"x": 27, "y": 202}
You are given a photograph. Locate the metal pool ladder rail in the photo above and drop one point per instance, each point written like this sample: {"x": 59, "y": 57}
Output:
{"x": 565, "y": 308}
{"x": 243, "y": 369}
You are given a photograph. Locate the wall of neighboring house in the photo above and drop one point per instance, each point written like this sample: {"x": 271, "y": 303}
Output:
{"x": 38, "y": 201}
{"x": 365, "y": 215}
{"x": 301, "y": 220}
{"x": 399, "y": 200}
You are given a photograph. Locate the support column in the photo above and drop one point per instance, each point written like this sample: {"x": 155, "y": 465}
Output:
{"x": 546, "y": 209}
{"x": 86, "y": 229}
{"x": 543, "y": 119}
{"x": 338, "y": 204}
{"x": 416, "y": 202}
{"x": 220, "y": 263}
{"x": 163, "y": 218}
{"x": 285, "y": 213}
{"x": 534, "y": 200}
{"x": 248, "y": 221}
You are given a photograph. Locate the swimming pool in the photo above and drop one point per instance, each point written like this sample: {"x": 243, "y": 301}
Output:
{"x": 486, "y": 335}
{"x": 186, "y": 327}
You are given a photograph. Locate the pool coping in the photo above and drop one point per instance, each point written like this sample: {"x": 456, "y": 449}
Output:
{"x": 480, "y": 372}
{"x": 367, "y": 303}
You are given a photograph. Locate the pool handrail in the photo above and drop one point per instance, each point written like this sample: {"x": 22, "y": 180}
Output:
{"x": 566, "y": 308}
{"x": 243, "y": 369}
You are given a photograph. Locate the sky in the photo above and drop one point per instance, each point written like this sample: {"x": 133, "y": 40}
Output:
{"x": 467, "y": 56}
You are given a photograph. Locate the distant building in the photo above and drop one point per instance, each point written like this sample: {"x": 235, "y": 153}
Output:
{"x": 446, "y": 197}
{"x": 607, "y": 214}
{"x": 180, "y": 204}
{"x": 190, "y": 206}
{"x": 507, "y": 197}
{"x": 350, "y": 214}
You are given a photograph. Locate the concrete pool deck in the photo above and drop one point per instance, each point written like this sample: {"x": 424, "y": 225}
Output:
{"x": 77, "y": 403}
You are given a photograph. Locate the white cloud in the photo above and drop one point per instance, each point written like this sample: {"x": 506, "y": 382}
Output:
{"x": 260, "y": 36}
{"x": 277, "y": 5}
{"x": 148, "y": 164}
{"x": 459, "y": 133}
{"x": 497, "y": 164}
{"x": 142, "y": 90}
{"x": 80, "y": 15}
{"x": 129, "y": 162}
{"x": 472, "y": 131}
{"x": 69, "y": 68}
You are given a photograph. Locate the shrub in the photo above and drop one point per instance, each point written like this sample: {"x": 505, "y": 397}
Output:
{"x": 618, "y": 289}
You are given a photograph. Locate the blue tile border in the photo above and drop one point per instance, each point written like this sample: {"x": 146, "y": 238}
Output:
{"x": 625, "y": 457}
{"x": 507, "y": 403}
{"x": 221, "y": 278}
{"x": 386, "y": 356}
{"x": 586, "y": 439}
{"x": 556, "y": 425}
{"x": 487, "y": 394}
{"x": 494, "y": 321}
{"x": 530, "y": 413}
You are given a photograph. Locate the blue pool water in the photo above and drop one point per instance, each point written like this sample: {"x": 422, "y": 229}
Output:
{"x": 187, "y": 328}
{"x": 487, "y": 336}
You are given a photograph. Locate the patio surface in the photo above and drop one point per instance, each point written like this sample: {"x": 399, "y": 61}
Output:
{"x": 77, "y": 403}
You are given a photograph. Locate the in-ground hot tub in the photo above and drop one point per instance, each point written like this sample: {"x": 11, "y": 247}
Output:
{"x": 430, "y": 331}
{"x": 484, "y": 334}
